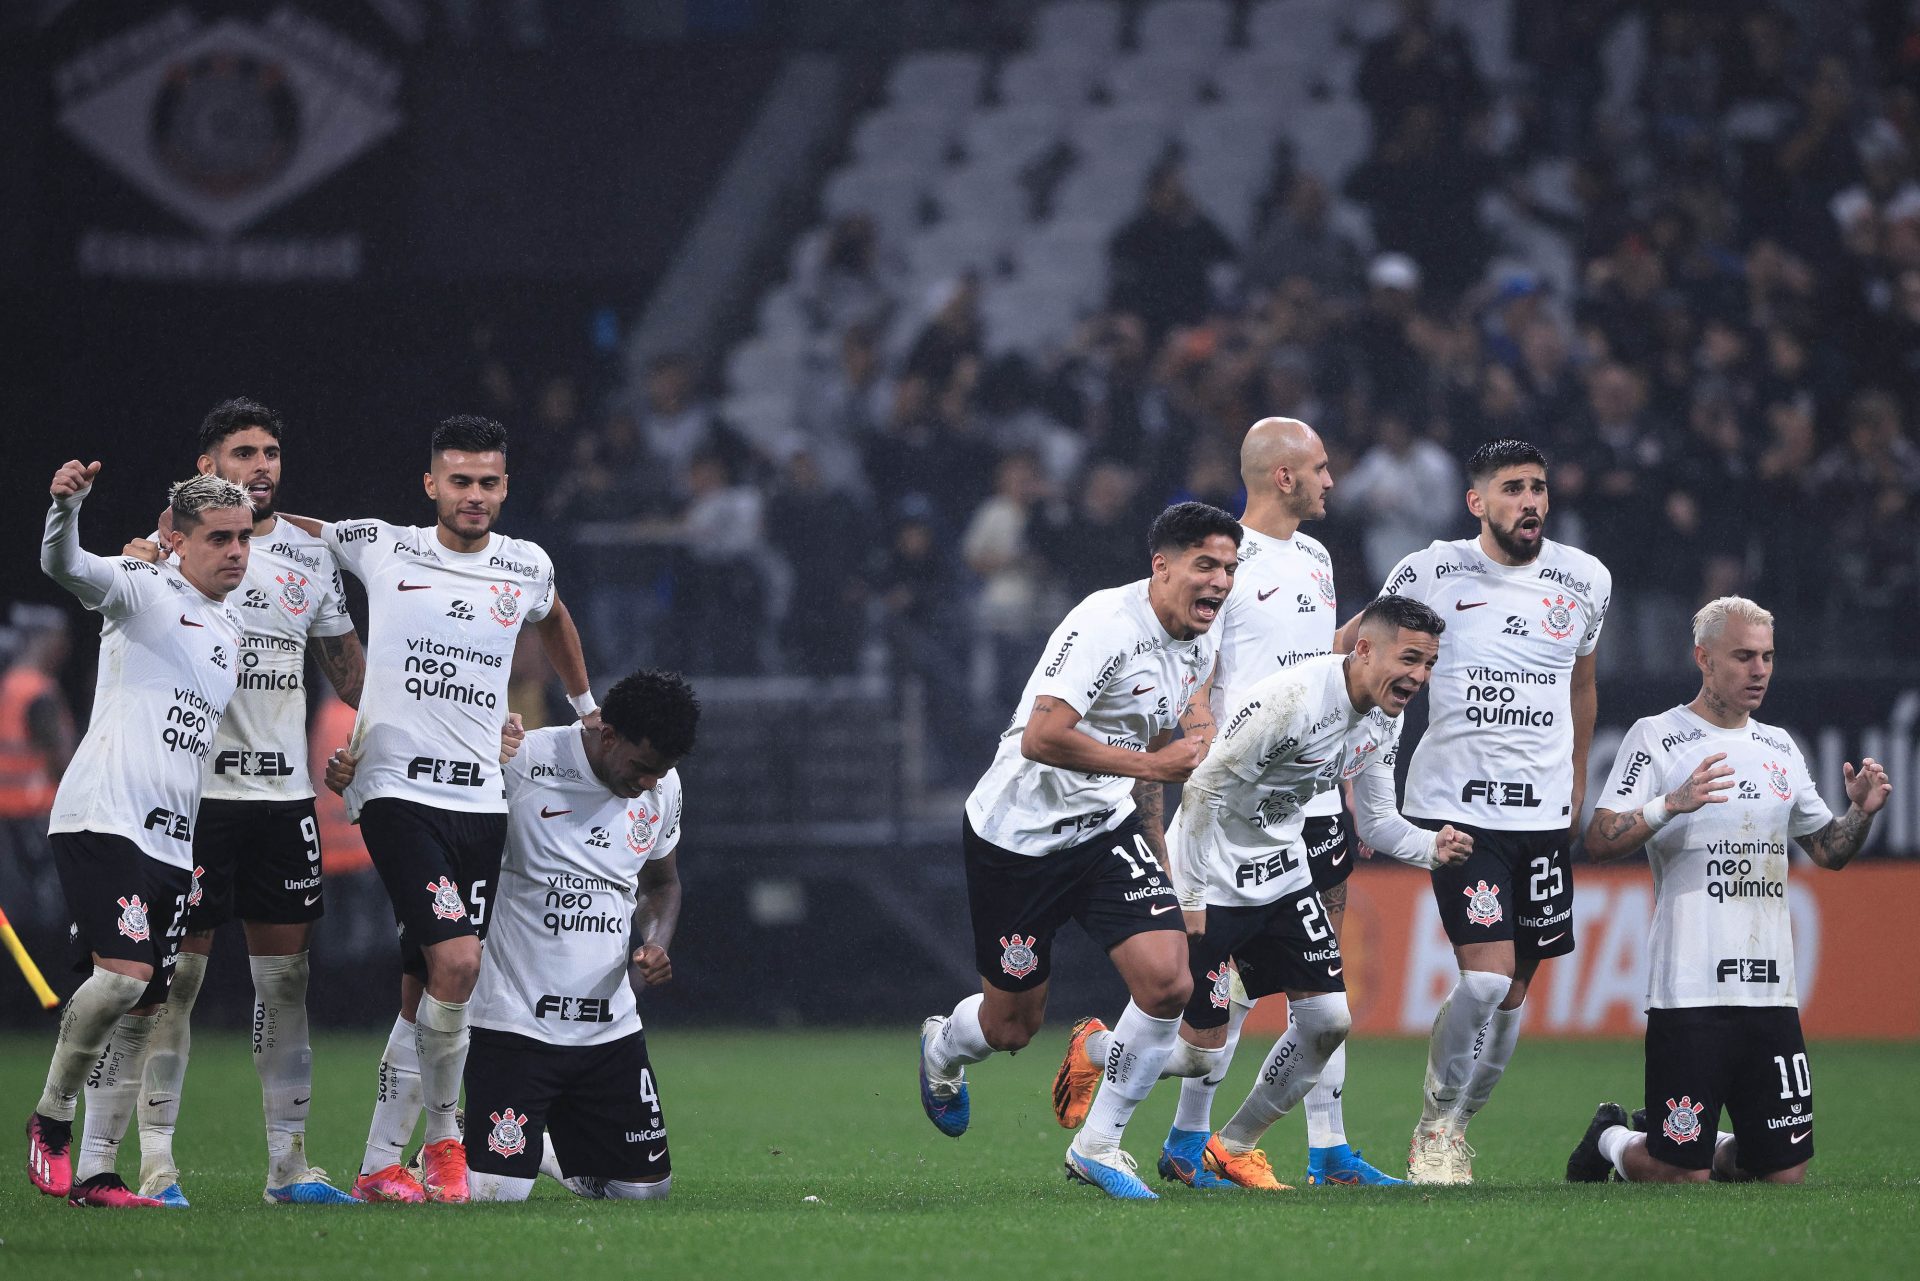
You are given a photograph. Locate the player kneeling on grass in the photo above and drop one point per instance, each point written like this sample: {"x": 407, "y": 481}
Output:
{"x": 1239, "y": 865}
{"x": 1715, "y": 795}
{"x": 593, "y": 820}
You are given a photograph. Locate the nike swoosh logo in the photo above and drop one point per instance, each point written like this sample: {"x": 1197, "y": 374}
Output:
{"x": 188, "y": 622}
{"x": 1338, "y": 859}
{"x": 406, "y": 586}
{"x": 154, "y": 1103}
{"x": 1333, "y": 971}
{"x": 300, "y": 1103}
{"x": 655, "y": 1156}
{"x": 1468, "y": 604}
{"x": 1801, "y": 1137}
{"x": 312, "y": 899}
{"x": 1162, "y": 911}
{"x": 1143, "y": 689}
{"x": 1555, "y": 939}
{"x": 1263, "y": 595}
{"x": 547, "y": 813}
{"x": 1304, "y": 761}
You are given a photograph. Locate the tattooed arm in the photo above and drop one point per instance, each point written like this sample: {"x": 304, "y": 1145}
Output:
{"x": 1834, "y": 845}
{"x": 1051, "y": 738}
{"x": 344, "y": 663}
{"x": 1617, "y": 833}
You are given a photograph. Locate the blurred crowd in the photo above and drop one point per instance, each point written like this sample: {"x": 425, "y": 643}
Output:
{"x": 1726, "y": 379}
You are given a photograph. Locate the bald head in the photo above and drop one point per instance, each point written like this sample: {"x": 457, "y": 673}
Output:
{"x": 1284, "y": 466}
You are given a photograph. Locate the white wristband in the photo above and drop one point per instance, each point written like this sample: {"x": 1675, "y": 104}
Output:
{"x": 582, "y": 703}
{"x": 1654, "y": 814}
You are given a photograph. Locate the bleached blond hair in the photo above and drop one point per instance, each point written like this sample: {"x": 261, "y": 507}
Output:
{"x": 189, "y": 498}
{"x": 1713, "y": 616}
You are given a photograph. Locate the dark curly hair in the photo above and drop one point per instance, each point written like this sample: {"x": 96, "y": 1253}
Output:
{"x": 470, "y": 434}
{"x": 237, "y": 414}
{"x": 655, "y": 707}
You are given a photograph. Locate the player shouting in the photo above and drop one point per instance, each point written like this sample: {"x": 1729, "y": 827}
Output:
{"x": 122, "y": 823}
{"x": 445, "y": 607}
{"x": 1504, "y": 758}
{"x": 1067, "y": 824}
{"x": 1715, "y": 796}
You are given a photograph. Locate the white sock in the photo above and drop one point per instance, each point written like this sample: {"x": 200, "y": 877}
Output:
{"x": 1613, "y": 1146}
{"x": 961, "y": 1041}
{"x": 550, "y": 1163}
{"x": 112, "y": 1091}
{"x": 166, "y": 1067}
{"x": 396, "y": 1108}
{"x": 1136, "y": 1052}
{"x": 620, "y": 1190}
{"x": 1495, "y": 1051}
{"x": 1450, "y": 1051}
{"x": 1189, "y": 1061}
{"x": 1326, "y": 1124}
{"x": 86, "y": 1025}
{"x": 440, "y": 1030}
{"x": 283, "y": 1056}
{"x": 497, "y": 1187}
{"x": 1195, "y": 1111}
{"x": 1316, "y": 1026}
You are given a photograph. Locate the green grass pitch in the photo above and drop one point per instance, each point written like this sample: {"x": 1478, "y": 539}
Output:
{"x": 759, "y": 1123}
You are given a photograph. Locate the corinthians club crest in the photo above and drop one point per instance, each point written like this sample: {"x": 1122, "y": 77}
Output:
{"x": 293, "y": 593}
{"x": 508, "y": 1136}
{"x": 447, "y": 904}
{"x": 1220, "y": 994}
{"x": 1018, "y": 959}
{"x": 1483, "y": 903}
{"x": 133, "y": 919}
{"x": 641, "y": 824}
{"x": 1558, "y": 620}
{"x": 506, "y": 604}
{"x": 1683, "y": 1119}
{"x": 194, "y": 895}
{"x": 1777, "y": 780}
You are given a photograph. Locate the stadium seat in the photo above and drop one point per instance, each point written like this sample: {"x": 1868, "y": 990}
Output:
{"x": 1309, "y": 26}
{"x": 944, "y": 251}
{"x": 991, "y": 196}
{"x": 1201, "y": 24}
{"x": 1062, "y": 78}
{"x": 1143, "y": 80}
{"x": 1078, "y": 24}
{"x": 892, "y": 195}
{"x": 1273, "y": 79}
{"x": 1330, "y": 138}
{"x": 903, "y": 137}
{"x": 1008, "y": 137}
{"x": 1066, "y": 245}
{"x": 932, "y": 81}
{"x": 1237, "y": 134}
{"x": 1119, "y": 135}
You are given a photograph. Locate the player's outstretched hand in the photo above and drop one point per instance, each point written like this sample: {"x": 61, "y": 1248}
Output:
{"x": 512, "y": 734}
{"x": 1451, "y": 846}
{"x": 1175, "y": 762}
{"x": 1704, "y": 786}
{"x": 142, "y": 549}
{"x": 339, "y": 771}
{"x": 1868, "y": 787}
{"x": 655, "y": 966}
{"x": 73, "y": 478}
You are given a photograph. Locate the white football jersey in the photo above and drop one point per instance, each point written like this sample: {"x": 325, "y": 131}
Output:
{"x": 1111, "y": 661}
{"x": 1280, "y": 612}
{"x": 292, "y": 591}
{"x": 1498, "y": 750}
{"x": 441, "y": 628}
{"x": 555, "y": 967}
{"x": 169, "y": 657}
{"x": 1722, "y": 934}
{"x": 1293, "y": 736}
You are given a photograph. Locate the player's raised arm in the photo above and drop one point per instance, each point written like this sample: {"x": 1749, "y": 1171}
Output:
{"x": 88, "y": 577}
{"x": 1051, "y": 738}
{"x": 1834, "y": 845}
{"x": 1617, "y": 833}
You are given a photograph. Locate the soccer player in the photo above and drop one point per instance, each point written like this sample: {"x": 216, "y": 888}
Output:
{"x": 1067, "y": 823}
{"x": 1281, "y": 615}
{"x": 1504, "y": 758}
{"x": 1238, "y": 858}
{"x": 122, "y": 824}
{"x": 593, "y": 824}
{"x": 445, "y": 607}
{"x": 256, "y": 849}
{"x": 1715, "y": 796}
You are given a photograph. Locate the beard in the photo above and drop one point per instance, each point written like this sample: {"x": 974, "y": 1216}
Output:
{"x": 1508, "y": 541}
